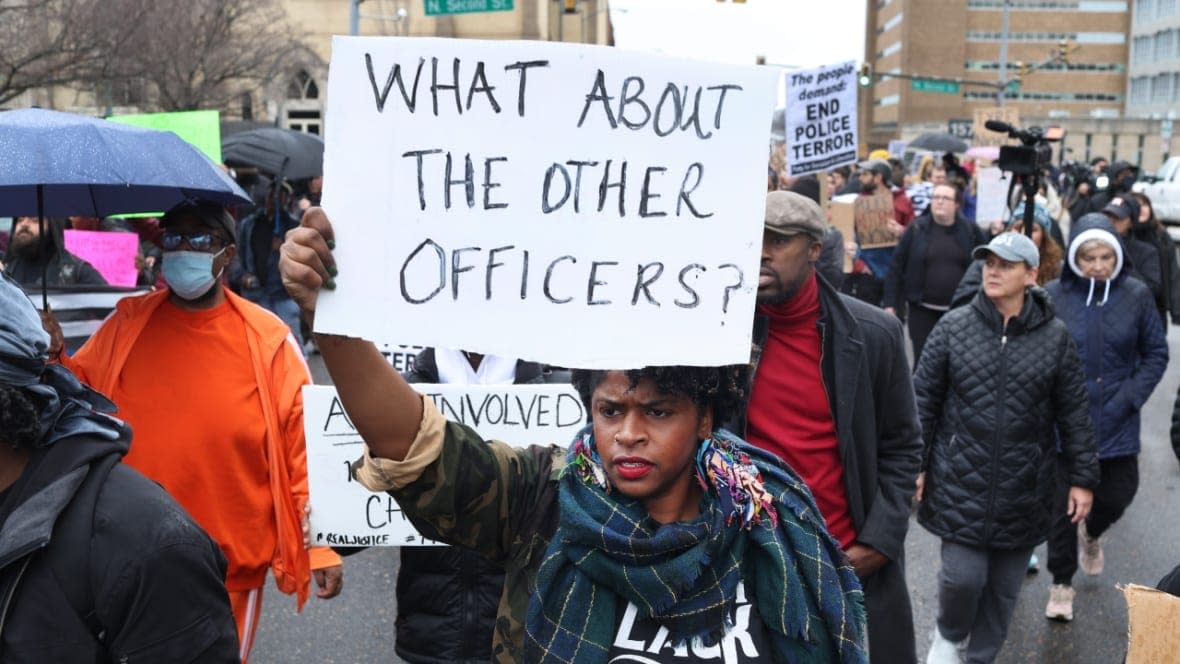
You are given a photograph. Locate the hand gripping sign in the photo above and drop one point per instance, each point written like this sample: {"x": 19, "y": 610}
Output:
{"x": 545, "y": 201}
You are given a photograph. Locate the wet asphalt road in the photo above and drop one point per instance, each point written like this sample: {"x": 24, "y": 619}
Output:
{"x": 1140, "y": 548}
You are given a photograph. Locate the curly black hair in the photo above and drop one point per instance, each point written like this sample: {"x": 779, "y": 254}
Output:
{"x": 19, "y": 425}
{"x": 722, "y": 388}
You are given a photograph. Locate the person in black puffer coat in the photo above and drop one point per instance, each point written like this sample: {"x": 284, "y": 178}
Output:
{"x": 448, "y": 597}
{"x": 994, "y": 380}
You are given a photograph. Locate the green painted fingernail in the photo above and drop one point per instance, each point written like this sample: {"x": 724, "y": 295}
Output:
{"x": 332, "y": 270}
{"x": 331, "y": 284}
{"x": 331, "y": 244}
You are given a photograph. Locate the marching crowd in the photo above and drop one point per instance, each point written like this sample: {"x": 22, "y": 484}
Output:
{"x": 754, "y": 512}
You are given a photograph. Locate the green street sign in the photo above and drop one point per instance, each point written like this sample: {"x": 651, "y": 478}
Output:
{"x": 445, "y": 7}
{"x": 931, "y": 85}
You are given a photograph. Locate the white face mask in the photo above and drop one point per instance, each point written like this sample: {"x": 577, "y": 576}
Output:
{"x": 190, "y": 273}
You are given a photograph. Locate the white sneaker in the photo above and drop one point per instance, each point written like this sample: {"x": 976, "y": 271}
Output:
{"x": 943, "y": 650}
{"x": 1090, "y": 557}
{"x": 1060, "y": 605}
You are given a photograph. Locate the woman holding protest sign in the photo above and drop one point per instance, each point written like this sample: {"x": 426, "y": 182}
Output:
{"x": 655, "y": 533}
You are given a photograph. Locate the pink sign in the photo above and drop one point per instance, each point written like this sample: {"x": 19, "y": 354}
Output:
{"x": 111, "y": 253}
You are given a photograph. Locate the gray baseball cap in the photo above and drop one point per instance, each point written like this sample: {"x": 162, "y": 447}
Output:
{"x": 879, "y": 166}
{"x": 1011, "y": 247}
{"x": 788, "y": 213}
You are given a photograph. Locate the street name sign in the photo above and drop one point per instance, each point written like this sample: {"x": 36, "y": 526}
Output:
{"x": 447, "y": 7}
{"x": 930, "y": 85}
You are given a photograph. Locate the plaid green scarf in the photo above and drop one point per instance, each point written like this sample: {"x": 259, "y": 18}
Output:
{"x": 758, "y": 525}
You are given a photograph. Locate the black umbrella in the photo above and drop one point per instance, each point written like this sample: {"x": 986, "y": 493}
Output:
{"x": 939, "y": 141}
{"x": 283, "y": 153}
{"x": 59, "y": 164}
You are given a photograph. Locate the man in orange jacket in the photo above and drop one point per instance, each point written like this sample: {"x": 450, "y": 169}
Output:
{"x": 212, "y": 386}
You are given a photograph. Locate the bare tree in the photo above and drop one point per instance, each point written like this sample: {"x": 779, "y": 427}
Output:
{"x": 45, "y": 43}
{"x": 204, "y": 53}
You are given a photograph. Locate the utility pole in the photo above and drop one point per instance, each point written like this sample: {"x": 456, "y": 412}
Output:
{"x": 1003, "y": 56}
{"x": 354, "y": 17}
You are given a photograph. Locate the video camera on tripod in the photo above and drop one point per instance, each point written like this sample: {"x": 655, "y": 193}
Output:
{"x": 1028, "y": 160}
{"x": 1033, "y": 155}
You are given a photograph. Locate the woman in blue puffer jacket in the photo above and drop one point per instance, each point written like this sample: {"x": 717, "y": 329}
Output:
{"x": 1124, "y": 351}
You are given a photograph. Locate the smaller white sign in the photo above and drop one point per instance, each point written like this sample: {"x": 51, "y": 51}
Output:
{"x": 991, "y": 203}
{"x": 821, "y": 118}
{"x": 344, "y": 513}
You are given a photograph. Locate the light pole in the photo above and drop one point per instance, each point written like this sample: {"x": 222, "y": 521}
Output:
{"x": 400, "y": 17}
{"x": 1003, "y": 55}
{"x": 354, "y": 17}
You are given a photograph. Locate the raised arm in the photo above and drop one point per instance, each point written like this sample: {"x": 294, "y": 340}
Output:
{"x": 384, "y": 408}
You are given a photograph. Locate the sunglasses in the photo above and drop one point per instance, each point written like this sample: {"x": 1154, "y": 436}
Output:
{"x": 171, "y": 240}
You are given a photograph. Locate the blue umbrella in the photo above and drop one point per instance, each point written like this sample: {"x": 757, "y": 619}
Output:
{"x": 95, "y": 168}
{"x": 60, "y": 164}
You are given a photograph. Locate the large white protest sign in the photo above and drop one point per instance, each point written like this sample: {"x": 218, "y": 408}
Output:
{"x": 821, "y": 118}
{"x": 344, "y": 513}
{"x": 576, "y": 205}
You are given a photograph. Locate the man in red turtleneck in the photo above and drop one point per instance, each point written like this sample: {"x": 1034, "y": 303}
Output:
{"x": 832, "y": 396}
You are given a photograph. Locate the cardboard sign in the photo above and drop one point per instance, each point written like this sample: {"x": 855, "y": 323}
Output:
{"x": 871, "y": 215}
{"x": 821, "y": 118}
{"x": 534, "y": 200}
{"x": 1153, "y": 618}
{"x": 985, "y": 136}
{"x": 111, "y": 253}
{"x": 202, "y": 129}
{"x": 991, "y": 200}
{"x": 344, "y": 513}
{"x": 842, "y": 215}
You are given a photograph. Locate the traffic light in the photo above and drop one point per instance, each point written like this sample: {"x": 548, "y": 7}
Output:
{"x": 865, "y": 78}
{"x": 1064, "y": 48}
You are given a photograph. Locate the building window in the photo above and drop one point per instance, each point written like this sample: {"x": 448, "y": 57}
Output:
{"x": 302, "y": 86}
{"x": 1046, "y": 5}
{"x": 1023, "y": 95}
{"x": 247, "y": 103}
{"x": 1079, "y": 37}
{"x": 1141, "y": 50}
{"x": 994, "y": 65}
{"x": 1144, "y": 10}
{"x": 1140, "y": 90}
{"x": 888, "y": 100}
{"x": 1161, "y": 89}
{"x": 891, "y": 49}
{"x": 890, "y": 24}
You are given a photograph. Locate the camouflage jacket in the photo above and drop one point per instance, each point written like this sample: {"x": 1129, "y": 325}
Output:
{"x": 486, "y": 496}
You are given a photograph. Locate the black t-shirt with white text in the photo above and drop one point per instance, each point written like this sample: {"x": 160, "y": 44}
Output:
{"x": 643, "y": 641}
